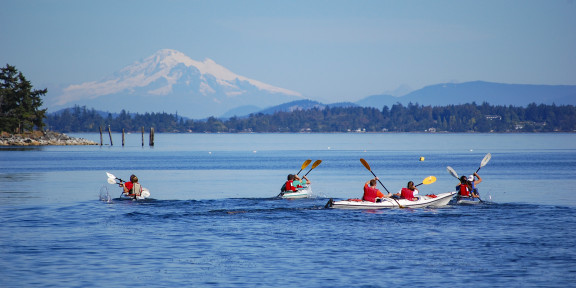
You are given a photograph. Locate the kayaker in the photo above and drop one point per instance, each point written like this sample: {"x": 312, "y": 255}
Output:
{"x": 409, "y": 193}
{"x": 299, "y": 183}
{"x": 132, "y": 188}
{"x": 472, "y": 183}
{"x": 289, "y": 185}
{"x": 371, "y": 193}
{"x": 464, "y": 189}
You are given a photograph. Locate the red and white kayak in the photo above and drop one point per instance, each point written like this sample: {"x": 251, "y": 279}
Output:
{"x": 427, "y": 201}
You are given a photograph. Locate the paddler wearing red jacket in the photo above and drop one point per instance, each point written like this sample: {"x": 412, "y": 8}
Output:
{"x": 410, "y": 192}
{"x": 370, "y": 191}
{"x": 289, "y": 182}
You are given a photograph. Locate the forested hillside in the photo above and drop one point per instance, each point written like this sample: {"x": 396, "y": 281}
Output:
{"x": 398, "y": 118}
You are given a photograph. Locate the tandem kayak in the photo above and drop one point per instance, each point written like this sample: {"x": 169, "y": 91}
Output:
{"x": 144, "y": 195}
{"x": 433, "y": 201}
{"x": 105, "y": 195}
{"x": 305, "y": 192}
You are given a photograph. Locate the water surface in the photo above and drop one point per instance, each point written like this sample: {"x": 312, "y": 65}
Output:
{"x": 215, "y": 222}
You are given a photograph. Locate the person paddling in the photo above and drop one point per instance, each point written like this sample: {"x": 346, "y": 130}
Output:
{"x": 132, "y": 188}
{"x": 464, "y": 189}
{"x": 300, "y": 182}
{"x": 371, "y": 193}
{"x": 467, "y": 186}
{"x": 409, "y": 193}
{"x": 472, "y": 183}
{"x": 289, "y": 185}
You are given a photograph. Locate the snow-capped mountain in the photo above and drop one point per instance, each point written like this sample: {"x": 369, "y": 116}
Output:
{"x": 170, "y": 81}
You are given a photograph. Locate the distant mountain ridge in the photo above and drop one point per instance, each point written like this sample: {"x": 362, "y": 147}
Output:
{"x": 479, "y": 91}
{"x": 450, "y": 94}
{"x": 169, "y": 81}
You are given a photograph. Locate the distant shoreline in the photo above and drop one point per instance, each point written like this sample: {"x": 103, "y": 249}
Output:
{"x": 39, "y": 138}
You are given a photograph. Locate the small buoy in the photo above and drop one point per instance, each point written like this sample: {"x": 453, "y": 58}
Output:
{"x": 209, "y": 152}
{"x": 254, "y": 151}
{"x": 421, "y": 158}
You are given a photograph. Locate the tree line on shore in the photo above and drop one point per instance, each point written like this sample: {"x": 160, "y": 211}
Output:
{"x": 398, "y": 118}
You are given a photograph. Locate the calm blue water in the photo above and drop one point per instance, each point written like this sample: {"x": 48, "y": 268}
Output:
{"x": 214, "y": 221}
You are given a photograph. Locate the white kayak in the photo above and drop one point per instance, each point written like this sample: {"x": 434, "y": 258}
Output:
{"x": 433, "y": 201}
{"x": 466, "y": 201}
{"x": 144, "y": 195}
{"x": 305, "y": 192}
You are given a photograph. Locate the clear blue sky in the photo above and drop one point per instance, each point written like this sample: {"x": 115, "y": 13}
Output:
{"x": 327, "y": 50}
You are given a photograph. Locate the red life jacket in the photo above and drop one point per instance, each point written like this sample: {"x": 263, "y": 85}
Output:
{"x": 464, "y": 191}
{"x": 289, "y": 186}
{"x": 407, "y": 194}
{"x": 370, "y": 194}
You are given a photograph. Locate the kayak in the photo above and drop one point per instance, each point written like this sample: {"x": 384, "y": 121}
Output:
{"x": 301, "y": 193}
{"x": 145, "y": 194}
{"x": 433, "y": 201}
{"x": 466, "y": 201}
{"x": 105, "y": 196}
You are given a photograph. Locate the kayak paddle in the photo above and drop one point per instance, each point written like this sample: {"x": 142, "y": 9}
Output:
{"x": 112, "y": 180}
{"x": 111, "y": 176}
{"x": 484, "y": 161}
{"x": 427, "y": 181}
{"x": 452, "y": 172}
{"x": 368, "y": 167}
{"x": 304, "y": 165}
{"x": 316, "y": 163}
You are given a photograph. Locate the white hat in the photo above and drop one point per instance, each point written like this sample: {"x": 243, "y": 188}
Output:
{"x": 471, "y": 178}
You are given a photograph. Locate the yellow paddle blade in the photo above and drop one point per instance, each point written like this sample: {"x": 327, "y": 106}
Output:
{"x": 316, "y": 163}
{"x": 365, "y": 164}
{"x": 429, "y": 180}
{"x": 305, "y": 164}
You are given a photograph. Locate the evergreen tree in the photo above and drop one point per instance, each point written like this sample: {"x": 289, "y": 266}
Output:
{"x": 19, "y": 104}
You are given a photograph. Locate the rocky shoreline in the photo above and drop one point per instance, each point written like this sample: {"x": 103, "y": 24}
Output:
{"x": 38, "y": 138}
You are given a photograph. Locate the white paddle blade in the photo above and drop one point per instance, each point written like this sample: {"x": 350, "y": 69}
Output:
{"x": 110, "y": 175}
{"x": 486, "y": 159}
{"x": 452, "y": 172}
{"x": 145, "y": 193}
{"x": 111, "y": 181}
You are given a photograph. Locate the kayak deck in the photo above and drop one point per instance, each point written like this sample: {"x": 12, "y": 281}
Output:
{"x": 305, "y": 192}
{"x": 433, "y": 201}
{"x": 466, "y": 201}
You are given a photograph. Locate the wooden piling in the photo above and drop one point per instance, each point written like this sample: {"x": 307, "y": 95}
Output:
{"x": 101, "y": 140}
{"x": 142, "y": 136}
{"x": 110, "y": 135}
{"x": 122, "y": 137}
{"x": 151, "y": 136}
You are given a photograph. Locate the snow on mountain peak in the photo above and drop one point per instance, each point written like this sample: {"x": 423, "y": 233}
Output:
{"x": 160, "y": 66}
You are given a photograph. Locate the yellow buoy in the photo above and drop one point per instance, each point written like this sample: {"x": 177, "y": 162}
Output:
{"x": 421, "y": 158}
